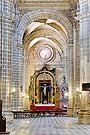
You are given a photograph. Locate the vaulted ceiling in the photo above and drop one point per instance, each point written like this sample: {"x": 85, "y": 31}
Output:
{"x": 45, "y": 34}
{"x": 45, "y": 38}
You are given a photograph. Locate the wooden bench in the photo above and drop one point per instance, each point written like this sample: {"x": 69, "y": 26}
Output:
{"x": 2, "y": 133}
{"x": 24, "y": 114}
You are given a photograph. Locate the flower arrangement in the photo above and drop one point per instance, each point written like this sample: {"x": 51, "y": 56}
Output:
{"x": 45, "y": 101}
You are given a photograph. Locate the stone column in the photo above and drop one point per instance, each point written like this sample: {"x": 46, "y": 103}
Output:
{"x": 24, "y": 97}
{"x": 14, "y": 66}
{"x": 16, "y": 63}
{"x": 5, "y": 71}
{"x": 76, "y": 52}
{"x": 70, "y": 80}
{"x": 19, "y": 76}
{"x": 0, "y": 49}
{"x": 84, "y": 19}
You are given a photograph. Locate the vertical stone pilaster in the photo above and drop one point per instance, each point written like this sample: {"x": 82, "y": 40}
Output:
{"x": 24, "y": 81}
{"x": 19, "y": 77}
{"x": 84, "y": 19}
{"x": 0, "y": 49}
{"x": 76, "y": 57}
{"x": 16, "y": 63}
{"x": 6, "y": 33}
{"x": 85, "y": 48}
{"x": 70, "y": 80}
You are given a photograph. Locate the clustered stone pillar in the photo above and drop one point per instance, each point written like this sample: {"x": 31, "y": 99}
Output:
{"x": 84, "y": 18}
{"x": 76, "y": 57}
{"x": 5, "y": 57}
{"x": 16, "y": 65}
{"x": 24, "y": 73}
{"x": 70, "y": 80}
{"x": 20, "y": 65}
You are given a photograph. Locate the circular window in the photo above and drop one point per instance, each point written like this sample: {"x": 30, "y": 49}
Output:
{"x": 45, "y": 53}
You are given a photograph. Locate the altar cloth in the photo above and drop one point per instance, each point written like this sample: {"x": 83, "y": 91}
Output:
{"x": 44, "y": 106}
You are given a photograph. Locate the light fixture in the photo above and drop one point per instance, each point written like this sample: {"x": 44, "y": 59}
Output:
{"x": 66, "y": 94}
{"x": 23, "y": 95}
{"x": 77, "y": 89}
{"x": 13, "y": 91}
{"x": 27, "y": 96}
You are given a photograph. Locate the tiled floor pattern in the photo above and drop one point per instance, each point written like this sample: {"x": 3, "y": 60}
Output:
{"x": 48, "y": 126}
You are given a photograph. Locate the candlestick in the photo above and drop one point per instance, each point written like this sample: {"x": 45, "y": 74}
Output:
{"x": 41, "y": 97}
{"x": 48, "y": 97}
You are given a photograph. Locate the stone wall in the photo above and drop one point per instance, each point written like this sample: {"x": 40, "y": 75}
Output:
{"x": 5, "y": 56}
{"x": 84, "y": 18}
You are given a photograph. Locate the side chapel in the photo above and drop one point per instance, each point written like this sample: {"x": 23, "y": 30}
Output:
{"x": 43, "y": 89}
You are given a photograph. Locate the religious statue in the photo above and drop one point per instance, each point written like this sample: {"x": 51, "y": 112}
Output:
{"x": 45, "y": 93}
{"x": 44, "y": 90}
{"x": 45, "y": 87}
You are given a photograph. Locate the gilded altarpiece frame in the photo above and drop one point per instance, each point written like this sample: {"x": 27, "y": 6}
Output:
{"x": 37, "y": 81}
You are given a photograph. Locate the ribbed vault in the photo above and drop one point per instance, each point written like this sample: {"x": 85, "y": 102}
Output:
{"x": 44, "y": 34}
{"x": 33, "y": 16}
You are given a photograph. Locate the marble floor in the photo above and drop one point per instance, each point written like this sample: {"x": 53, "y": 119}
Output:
{"x": 48, "y": 126}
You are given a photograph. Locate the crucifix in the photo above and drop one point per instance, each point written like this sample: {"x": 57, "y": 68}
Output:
{"x": 45, "y": 92}
{"x": 44, "y": 89}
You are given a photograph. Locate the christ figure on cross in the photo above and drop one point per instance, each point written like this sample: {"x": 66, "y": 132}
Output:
{"x": 44, "y": 90}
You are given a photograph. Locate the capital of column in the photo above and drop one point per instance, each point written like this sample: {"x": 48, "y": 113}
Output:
{"x": 70, "y": 46}
{"x": 20, "y": 46}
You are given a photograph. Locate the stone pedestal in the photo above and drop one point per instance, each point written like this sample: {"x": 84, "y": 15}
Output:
{"x": 75, "y": 111}
{"x": 70, "y": 112}
{"x": 9, "y": 116}
{"x": 80, "y": 117}
{"x": 86, "y": 119}
{"x": 83, "y": 117}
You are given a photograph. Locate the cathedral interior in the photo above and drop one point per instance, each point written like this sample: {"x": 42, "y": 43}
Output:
{"x": 45, "y": 56}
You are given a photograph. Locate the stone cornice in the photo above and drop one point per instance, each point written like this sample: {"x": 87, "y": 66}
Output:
{"x": 40, "y": 4}
{"x": 49, "y": 4}
{"x": 59, "y": 65}
{"x": 33, "y": 6}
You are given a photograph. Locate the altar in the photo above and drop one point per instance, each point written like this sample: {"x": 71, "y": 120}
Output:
{"x": 43, "y": 90}
{"x": 44, "y": 106}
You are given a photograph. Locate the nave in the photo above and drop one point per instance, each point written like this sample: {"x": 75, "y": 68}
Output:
{"x": 48, "y": 126}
